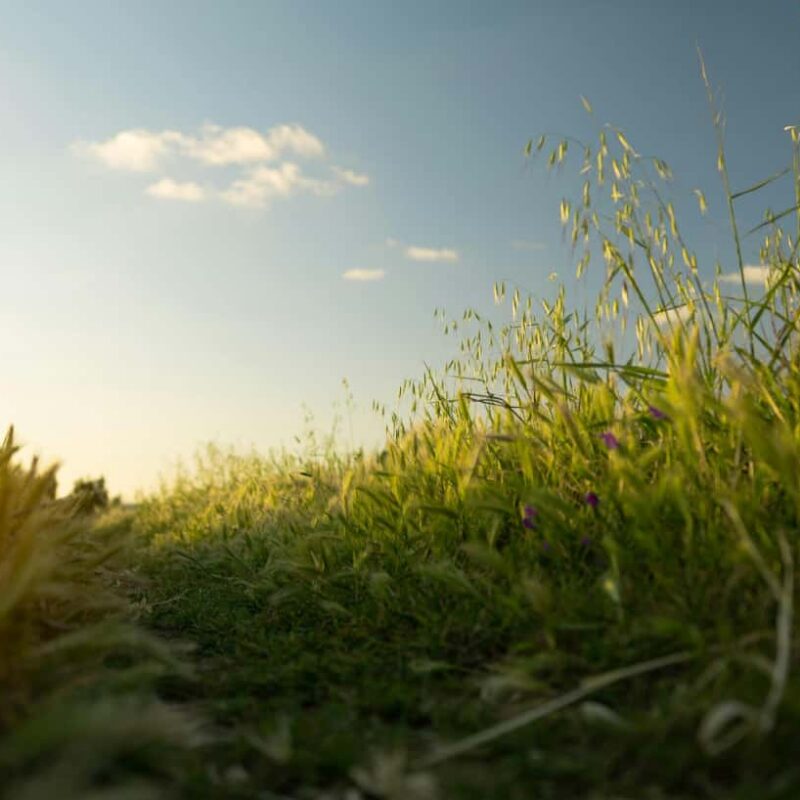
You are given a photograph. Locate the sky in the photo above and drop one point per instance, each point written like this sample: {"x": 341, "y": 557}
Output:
{"x": 211, "y": 213}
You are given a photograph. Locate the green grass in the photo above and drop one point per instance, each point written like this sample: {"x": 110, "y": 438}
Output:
{"x": 568, "y": 574}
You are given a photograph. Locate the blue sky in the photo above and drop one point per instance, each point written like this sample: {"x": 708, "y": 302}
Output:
{"x": 185, "y": 186}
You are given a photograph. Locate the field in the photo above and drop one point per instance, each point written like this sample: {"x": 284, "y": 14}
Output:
{"x": 569, "y": 573}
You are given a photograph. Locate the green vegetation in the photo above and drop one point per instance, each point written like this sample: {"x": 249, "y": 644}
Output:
{"x": 570, "y": 574}
{"x": 91, "y": 495}
{"x": 77, "y": 708}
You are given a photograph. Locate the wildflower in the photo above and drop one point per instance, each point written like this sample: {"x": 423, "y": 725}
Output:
{"x": 586, "y": 541}
{"x": 609, "y": 440}
{"x": 591, "y": 499}
{"x": 529, "y": 516}
{"x": 656, "y": 413}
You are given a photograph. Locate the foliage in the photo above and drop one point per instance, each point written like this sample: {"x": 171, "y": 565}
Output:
{"x": 571, "y": 571}
{"x": 78, "y": 717}
{"x": 90, "y": 495}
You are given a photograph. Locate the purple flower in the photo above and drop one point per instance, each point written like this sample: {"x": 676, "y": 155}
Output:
{"x": 591, "y": 499}
{"x": 528, "y": 523}
{"x": 546, "y": 548}
{"x": 531, "y": 512}
{"x": 609, "y": 440}
{"x": 656, "y": 413}
{"x": 586, "y": 541}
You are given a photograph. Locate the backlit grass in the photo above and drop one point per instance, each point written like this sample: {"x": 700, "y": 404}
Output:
{"x": 78, "y": 715}
{"x": 569, "y": 573}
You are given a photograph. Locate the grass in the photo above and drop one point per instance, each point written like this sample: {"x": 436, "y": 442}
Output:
{"x": 568, "y": 574}
{"x": 78, "y": 710}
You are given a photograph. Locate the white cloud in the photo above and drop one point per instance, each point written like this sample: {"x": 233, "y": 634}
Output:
{"x": 219, "y": 146}
{"x": 754, "y": 274}
{"x": 141, "y": 150}
{"x": 137, "y": 150}
{"x": 264, "y": 168}
{"x": 169, "y": 189}
{"x": 431, "y": 254}
{"x": 363, "y": 274}
{"x": 264, "y": 183}
{"x": 297, "y": 140}
{"x": 675, "y": 316}
{"x": 527, "y": 244}
{"x": 351, "y": 177}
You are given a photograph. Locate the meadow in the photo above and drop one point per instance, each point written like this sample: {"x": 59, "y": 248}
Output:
{"x": 569, "y": 572}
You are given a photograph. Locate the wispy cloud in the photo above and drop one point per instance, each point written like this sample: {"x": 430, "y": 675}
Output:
{"x": 296, "y": 139}
{"x": 266, "y": 169}
{"x": 137, "y": 150}
{"x": 527, "y": 244}
{"x": 351, "y": 177}
{"x": 219, "y": 146}
{"x": 674, "y": 316}
{"x": 169, "y": 189}
{"x": 431, "y": 254}
{"x": 363, "y": 274}
{"x": 264, "y": 183}
{"x": 416, "y": 253}
{"x": 754, "y": 275}
{"x": 140, "y": 150}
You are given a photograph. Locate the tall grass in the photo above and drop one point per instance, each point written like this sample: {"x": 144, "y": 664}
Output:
{"x": 569, "y": 573}
{"x": 78, "y": 717}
